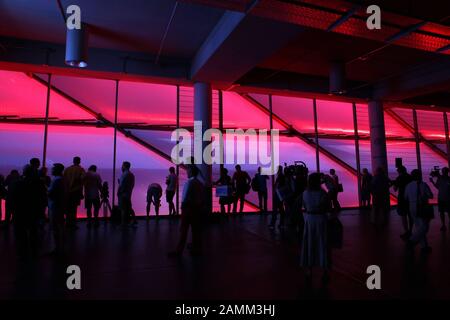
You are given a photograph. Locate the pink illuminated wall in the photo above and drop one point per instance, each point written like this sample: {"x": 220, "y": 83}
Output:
{"x": 335, "y": 117}
{"x": 20, "y": 95}
{"x": 155, "y": 104}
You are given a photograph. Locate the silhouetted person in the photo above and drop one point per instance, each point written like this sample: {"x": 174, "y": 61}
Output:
{"x": 73, "y": 177}
{"x": 192, "y": 208}
{"x": 261, "y": 182}
{"x": 171, "y": 189}
{"x": 226, "y": 200}
{"x": 104, "y": 197}
{"x": 315, "y": 249}
{"x": 443, "y": 186}
{"x": 154, "y": 194}
{"x": 56, "y": 206}
{"x": 241, "y": 182}
{"x": 29, "y": 195}
{"x": 366, "y": 180}
{"x": 92, "y": 187}
{"x": 46, "y": 180}
{"x": 399, "y": 184}
{"x": 35, "y": 164}
{"x": 282, "y": 191}
{"x": 380, "y": 197}
{"x": 332, "y": 183}
{"x": 10, "y": 183}
{"x": 418, "y": 194}
{"x": 124, "y": 193}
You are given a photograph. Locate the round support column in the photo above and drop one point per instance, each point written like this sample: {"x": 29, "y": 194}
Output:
{"x": 377, "y": 136}
{"x": 203, "y": 114}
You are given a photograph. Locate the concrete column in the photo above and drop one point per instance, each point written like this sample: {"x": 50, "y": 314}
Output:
{"x": 203, "y": 113}
{"x": 377, "y": 135}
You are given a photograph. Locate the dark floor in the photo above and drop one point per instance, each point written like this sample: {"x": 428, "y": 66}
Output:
{"x": 242, "y": 260}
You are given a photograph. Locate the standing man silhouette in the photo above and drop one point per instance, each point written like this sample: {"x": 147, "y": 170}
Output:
{"x": 73, "y": 177}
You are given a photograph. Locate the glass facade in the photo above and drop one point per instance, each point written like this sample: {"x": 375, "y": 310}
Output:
{"x": 82, "y": 114}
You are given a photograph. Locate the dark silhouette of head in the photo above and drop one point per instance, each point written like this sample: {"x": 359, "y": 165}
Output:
{"x": 365, "y": 171}
{"x": 193, "y": 171}
{"x": 224, "y": 172}
{"x": 238, "y": 167}
{"x": 172, "y": 170}
{"x": 126, "y": 166}
{"x": 314, "y": 181}
{"x": 15, "y": 173}
{"x": 332, "y": 171}
{"x": 402, "y": 170}
{"x": 28, "y": 171}
{"x": 57, "y": 169}
{"x": 416, "y": 175}
{"x": 35, "y": 163}
{"x": 93, "y": 168}
{"x": 76, "y": 161}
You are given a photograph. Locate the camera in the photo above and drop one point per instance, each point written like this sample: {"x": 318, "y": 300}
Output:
{"x": 435, "y": 172}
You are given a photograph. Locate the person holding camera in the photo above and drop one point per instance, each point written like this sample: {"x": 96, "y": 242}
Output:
{"x": 442, "y": 183}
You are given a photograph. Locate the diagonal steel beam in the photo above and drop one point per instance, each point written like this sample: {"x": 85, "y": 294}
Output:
{"x": 298, "y": 134}
{"x": 408, "y": 127}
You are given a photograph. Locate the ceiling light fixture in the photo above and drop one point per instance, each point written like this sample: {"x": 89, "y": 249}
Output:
{"x": 77, "y": 47}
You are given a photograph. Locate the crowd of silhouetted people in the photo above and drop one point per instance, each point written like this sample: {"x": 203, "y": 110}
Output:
{"x": 413, "y": 201}
{"x": 29, "y": 194}
{"x": 32, "y": 197}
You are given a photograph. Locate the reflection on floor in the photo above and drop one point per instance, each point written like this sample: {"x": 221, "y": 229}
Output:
{"x": 243, "y": 259}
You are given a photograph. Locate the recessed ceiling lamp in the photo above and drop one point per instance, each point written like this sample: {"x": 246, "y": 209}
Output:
{"x": 77, "y": 47}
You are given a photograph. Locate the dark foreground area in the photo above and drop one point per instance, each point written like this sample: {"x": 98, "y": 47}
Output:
{"x": 243, "y": 259}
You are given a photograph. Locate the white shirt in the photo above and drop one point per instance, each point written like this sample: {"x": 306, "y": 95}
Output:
{"x": 411, "y": 194}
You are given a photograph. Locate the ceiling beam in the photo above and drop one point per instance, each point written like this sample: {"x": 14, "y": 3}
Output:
{"x": 37, "y": 56}
{"x": 237, "y": 44}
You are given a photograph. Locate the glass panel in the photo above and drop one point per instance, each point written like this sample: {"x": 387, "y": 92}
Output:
{"x": 362, "y": 116}
{"x": 93, "y": 145}
{"x": 335, "y": 117}
{"x": 401, "y": 149}
{"x": 343, "y": 149}
{"x": 19, "y": 143}
{"x": 365, "y": 157}
{"x": 21, "y": 95}
{"x": 147, "y": 166}
{"x": 97, "y": 94}
{"x": 431, "y": 125}
{"x": 298, "y": 112}
{"x": 240, "y": 113}
{"x": 393, "y": 128}
{"x": 348, "y": 198}
{"x": 147, "y": 103}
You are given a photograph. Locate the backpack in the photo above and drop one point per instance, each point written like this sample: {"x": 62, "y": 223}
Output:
{"x": 255, "y": 184}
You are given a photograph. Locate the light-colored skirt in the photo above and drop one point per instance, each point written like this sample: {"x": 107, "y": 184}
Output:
{"x": 314, "y": 245}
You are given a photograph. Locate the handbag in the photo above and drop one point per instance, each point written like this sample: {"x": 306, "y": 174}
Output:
{"x": 340, "y": 187}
